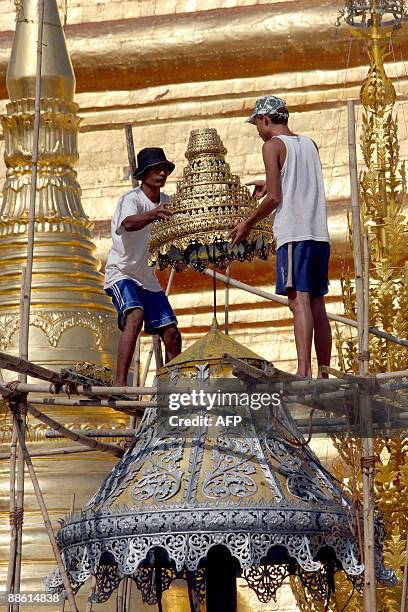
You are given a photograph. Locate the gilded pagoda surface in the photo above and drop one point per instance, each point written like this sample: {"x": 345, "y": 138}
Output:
{"x": 199, "y": 64}
{"x": 209, "y": 201}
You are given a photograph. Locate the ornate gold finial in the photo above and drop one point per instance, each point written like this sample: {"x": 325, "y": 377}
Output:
{"x": 57, "y": 74}
{"x": 208, "y": 203}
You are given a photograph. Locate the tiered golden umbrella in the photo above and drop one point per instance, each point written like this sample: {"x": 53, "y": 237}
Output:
{"x": 208, "y": 203}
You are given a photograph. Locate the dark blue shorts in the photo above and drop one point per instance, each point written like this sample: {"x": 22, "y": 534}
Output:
{"x": 310, "y": 267}
{"x": 126, "y": 295}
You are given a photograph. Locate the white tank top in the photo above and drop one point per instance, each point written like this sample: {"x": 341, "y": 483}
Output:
{"x": 301, "y": 213}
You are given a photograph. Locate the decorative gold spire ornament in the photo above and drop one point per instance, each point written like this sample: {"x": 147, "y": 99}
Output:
{"x": 383, "y": 187}
{"x": 208, "y": 203}
{"x": 67, "y": 288}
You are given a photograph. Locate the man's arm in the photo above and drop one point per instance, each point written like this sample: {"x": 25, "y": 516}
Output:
{"x": 270, "y": 152}
{"x": 133, "y": 223}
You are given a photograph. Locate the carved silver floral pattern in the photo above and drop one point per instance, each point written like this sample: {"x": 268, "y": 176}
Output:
{"x": 232, "y": 469}
{"x": 161, "y": 476}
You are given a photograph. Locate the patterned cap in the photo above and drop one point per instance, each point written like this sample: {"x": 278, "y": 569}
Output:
{"x": 268, "y": 105}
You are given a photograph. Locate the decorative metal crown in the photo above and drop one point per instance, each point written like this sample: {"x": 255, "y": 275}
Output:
{"x": 358, "y": 13}
{"x": 208, "y": 203}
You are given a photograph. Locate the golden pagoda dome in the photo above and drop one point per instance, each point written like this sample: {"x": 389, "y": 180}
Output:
{"x": 211, "y": 349}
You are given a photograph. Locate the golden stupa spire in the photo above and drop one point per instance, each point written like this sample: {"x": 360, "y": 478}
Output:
{"x": 57, "y": 74}
{"x": 71, "y": 318}
{"x": 67, "y": 290}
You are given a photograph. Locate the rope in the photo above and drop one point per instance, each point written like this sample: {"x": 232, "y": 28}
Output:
{"x": 364, "y": 356}
{"x": 368, "y": 462}
{"x": 17, "y": 403}
{"x": 17, "y": 517}
{"x": 299, "y": 443}
{"x": 71, "y": 388}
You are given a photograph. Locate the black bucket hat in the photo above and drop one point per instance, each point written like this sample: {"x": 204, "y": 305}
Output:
{"x": 149, "y": 157}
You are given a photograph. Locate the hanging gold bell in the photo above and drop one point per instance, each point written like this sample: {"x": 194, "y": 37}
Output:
{"x": 209, "y": 202}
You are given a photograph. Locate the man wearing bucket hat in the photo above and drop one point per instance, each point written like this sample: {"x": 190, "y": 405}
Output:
{"x": 129, "y": 280}
{"x": 294, "y": 191}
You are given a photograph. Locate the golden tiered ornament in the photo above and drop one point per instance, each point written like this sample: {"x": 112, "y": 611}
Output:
{"x": 208, "y": 203}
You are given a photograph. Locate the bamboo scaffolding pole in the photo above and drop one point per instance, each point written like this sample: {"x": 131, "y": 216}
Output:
{"x": 388, "y": 375}
{"x": 284, "y": 301}
{"x": 298, "y": 385}
{"x": 104, "y": 447}
{"x": 147, "y": 364}
{"x": 120, "y": 596}
{"x": 373, "y": 384}
{"x": 157, "y": 350}
{"x": 131, "y": 407}
{"x": 92, "y": 590}
{"x": 405, "y": 582}
{"x": 136, "y": 375}
{"x": 51, "y": 452}
{"x": 72, "y": 506}
{"x": 95, "y": 433}
{"x": 128, "y": 595}
{"x": 23, "y": 366}
{"x": 151, "y": 350}
{"x": 18, "y": 518}
{"x": 226, "y": 301}
{"x": 59, "y": 385}
{"x": 12, "y": 507}
{"x": 356, "y": 223}
{"x": 46, "y": 519}
{"x": 87, "y": 391}
{"x": 130, "y": 145}
{"x": 93, "y": 393}
{"x": 131, "y": 153}
{"x": 368, "y": 455}
{"x": 362, "y": 304}
{"x": 366, "y": 310}
{"x": 13, "y": 526}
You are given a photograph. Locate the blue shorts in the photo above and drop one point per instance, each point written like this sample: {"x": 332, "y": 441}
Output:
{"x": 310, "y": 267}
{"x": 126, "y": 295}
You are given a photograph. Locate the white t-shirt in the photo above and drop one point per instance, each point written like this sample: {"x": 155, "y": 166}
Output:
{"x": 129, "y": 253}
{"x": 301, "y": 213}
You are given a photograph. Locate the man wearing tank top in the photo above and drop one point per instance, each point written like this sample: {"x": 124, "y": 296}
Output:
{"x": 294, "y": 192}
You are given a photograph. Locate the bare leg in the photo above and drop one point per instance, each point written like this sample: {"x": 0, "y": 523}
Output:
{"x": 299, "y": 304}
{"x": 127, "y": 343}
{"x": 322, "y": 332}
{"x": 172, "y": 341}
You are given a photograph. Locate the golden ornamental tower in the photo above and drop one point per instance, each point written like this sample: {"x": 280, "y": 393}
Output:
{"x": 71, "y": 317}
{"x": 382, "y": 194}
